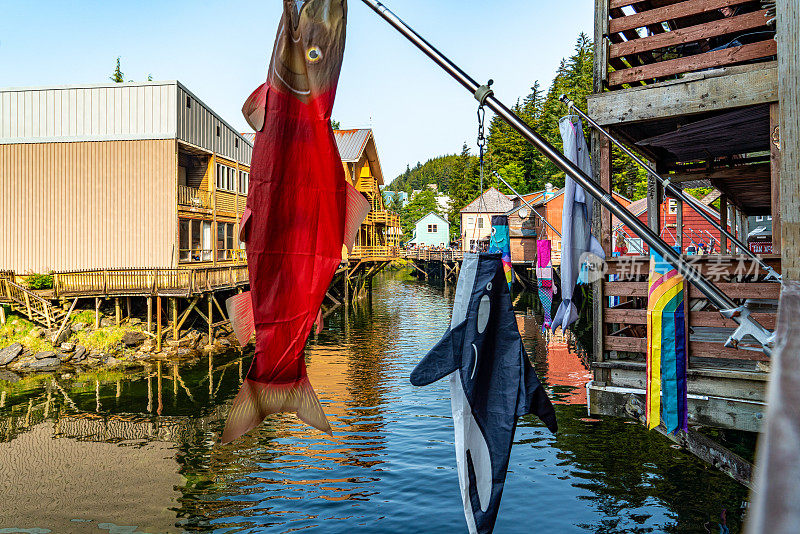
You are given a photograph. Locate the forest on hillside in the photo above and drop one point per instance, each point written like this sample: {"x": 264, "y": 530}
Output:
{"x": 457, "y": 175}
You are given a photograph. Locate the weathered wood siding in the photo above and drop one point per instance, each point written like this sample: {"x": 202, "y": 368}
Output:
{"x": 86, "y": 205}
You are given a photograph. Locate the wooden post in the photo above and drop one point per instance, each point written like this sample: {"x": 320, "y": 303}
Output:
{"x": 28, "y": 305}
{"x": 2, "y": 315}
{"x": 210, "y": 319}
{"x": 149, "y": 314}
{"x": 117, "y": 311}
{"x": 128, "y": 307}
{"x": 775, "y": 175}
{"x": 723, "y": 221}
{"x": 788, "y": 37}
{"x": 158, "y": 323}
{"x": 174, "y": 303}
{"x": 654, "y": 196}
{"x": 97, "y": 312}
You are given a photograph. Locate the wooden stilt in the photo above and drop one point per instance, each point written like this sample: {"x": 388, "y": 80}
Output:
{"x": 97, "y": 312}
{"x": 210, "y": 319}
{"x": 149, "y": 314}
{"x": 158, "y": 323}
{"x": 723, "y": 221}
{"x": 117, "y": 312}
{"x": 128, "y": 307}
{"x": 2, "y": 315}
{"x": 174, "y": 303}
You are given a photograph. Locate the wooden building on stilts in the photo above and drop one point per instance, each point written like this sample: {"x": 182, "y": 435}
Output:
{"x": 708, "y": 93}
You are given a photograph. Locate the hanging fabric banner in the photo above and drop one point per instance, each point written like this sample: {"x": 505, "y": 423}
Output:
{"x": 666, "y": 347}
{"x": 500, "y": 243}
{"x": 544, "y": 280}
{"x": 577, "y": 241}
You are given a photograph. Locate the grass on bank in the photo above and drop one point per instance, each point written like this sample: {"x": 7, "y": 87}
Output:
{"x": 21, "y": 333}
{"x": 104, "y": 339}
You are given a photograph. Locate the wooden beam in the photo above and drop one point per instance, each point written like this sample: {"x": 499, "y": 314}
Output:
{"x": 762, "y": 290}
{"x": 716, "y": 28}
{"x": 175, "y": 331}
{"x": 706, "y": 60}
{"x": 699, "y": 92}
{"x": 158, "y": 323}
{"x": 669, "y": 12}
{"x": 117, "y": 311}
{"x": 96, "y": 313}
{"x": 775, "y": 175}
{"x": 696, "y": 318}
{"x": 210, "y": 319}
{"x": 757, "y": 171}
{"x": 149, "y": 314}
{"x": 723, "y": 221}
{"x": 188, "y": 311}
{"x": 788, "y": 30}
{"x": 600, "y": 65}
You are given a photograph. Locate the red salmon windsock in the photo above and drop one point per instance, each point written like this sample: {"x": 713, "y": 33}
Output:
{"x": 300, "y": 210}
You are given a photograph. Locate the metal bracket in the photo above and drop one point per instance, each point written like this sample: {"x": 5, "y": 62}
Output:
{"x": 483, "y": 92}
{"x": 747, "y": 326}
{"x": 772, "y": 274}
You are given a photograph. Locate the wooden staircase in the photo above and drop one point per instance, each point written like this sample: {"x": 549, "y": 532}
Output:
{"x": 29, "y": 303}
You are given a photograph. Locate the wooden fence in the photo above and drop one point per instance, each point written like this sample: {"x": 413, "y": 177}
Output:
{"x": 170, "y": 282}
{"x": 653, "y": 40}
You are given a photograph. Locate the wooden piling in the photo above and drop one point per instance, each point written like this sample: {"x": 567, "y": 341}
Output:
{"x": 149, "y": 314}
{"x": 158, "y": 323}
{"x": 117, "y": 311}
{"x": 128, "y": 307}
{"x": 2, "y": 315}
{"x": 174, "y": 303}
{"x": 210, "y": 319}
{"x": 97, "y": 312}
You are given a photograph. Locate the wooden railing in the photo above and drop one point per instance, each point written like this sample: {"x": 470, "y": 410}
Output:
{"x": 383, "y": 217}
{"x": 35, "y": 307}
{"x": 194, "y": 197}
{"x": 433, "y": 255}
{"x": 178, "y": 282}
{"x": 375, "y": 252}
{"x": 651, "y": 41}
{"x": 625, "y": 323}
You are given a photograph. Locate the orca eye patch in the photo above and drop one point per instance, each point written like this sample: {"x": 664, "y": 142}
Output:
{"x": 484, "y": 310}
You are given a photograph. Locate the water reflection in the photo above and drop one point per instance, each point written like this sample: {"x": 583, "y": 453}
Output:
{"x": 109, "y": 450}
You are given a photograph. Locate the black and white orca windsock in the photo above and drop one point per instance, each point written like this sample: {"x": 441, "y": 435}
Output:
{"x": 492, "y": 383}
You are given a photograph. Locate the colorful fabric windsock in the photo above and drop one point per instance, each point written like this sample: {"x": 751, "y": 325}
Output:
{"x": 500, "y": 242}
{"x": 666, "y": 347}
{"x": 544, "y": 279}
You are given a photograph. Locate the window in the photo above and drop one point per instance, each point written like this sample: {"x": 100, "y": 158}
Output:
{"x": 194, "y": 238}
{"x": 480, "y": 222}
{"x": 218, "y": 131}
{"x": 470, "y": 221}
{"x": 226, "y": 178}
{"x": 225, "y": 234}
{"x": 673, "y": 206}
{"x": 244, "y": 182}
{"x": 432, "y": 228}
{"x": 769, "y": 217}
{"x": 236, "y": 142}
{"x": 231, "y": 179}
{"x": 189, "y": 102}
{"x": 759, "y": 218}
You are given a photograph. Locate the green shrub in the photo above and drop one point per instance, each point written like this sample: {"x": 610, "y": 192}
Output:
{"x": 39, "y": 281}
{"x": 104, "y": 339}
{"x": 84, "y": 316}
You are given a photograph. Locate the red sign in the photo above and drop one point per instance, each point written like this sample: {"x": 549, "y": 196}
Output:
{"x": 762, "y": 247}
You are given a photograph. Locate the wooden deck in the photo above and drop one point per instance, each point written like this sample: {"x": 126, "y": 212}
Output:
{"x": 182, "y": 282}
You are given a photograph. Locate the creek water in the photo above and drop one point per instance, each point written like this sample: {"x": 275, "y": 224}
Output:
{"x": 136, "y": 452}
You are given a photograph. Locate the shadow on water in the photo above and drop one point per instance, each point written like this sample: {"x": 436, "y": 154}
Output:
{"x": 136, "y": 451}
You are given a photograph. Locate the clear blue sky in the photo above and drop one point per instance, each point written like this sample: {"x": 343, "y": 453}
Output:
{"x": 220, "y": 51}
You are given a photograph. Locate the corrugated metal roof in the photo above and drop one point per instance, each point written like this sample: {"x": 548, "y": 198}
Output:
{"x": 351, "y": 143}
{"x": 493, "y": 202}
{"x": 250, "y": 136}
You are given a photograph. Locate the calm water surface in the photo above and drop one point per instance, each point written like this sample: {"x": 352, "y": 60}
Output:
{"x": 136, "y": 451}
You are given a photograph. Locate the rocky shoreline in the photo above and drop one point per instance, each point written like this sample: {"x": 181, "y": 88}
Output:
{"x": 129, "y": 343}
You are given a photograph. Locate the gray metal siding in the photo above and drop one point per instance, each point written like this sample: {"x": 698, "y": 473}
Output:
{"x": 198, "y": 125}
{"x": 92, "y": 113}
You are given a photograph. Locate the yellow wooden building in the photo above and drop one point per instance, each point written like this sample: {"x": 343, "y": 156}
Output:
{"x": 379, "y": 236}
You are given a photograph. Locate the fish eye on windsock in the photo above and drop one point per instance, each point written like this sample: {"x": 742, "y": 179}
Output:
{"x": 313, "y": 54}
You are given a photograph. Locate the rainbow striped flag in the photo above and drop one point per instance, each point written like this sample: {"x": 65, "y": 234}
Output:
{"x": 544, "y": 280}
{"x": 666, "y": 347}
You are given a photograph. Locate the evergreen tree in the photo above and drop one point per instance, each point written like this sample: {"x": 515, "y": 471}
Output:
{"x": 423, "y": 203}
{"x": 117, "y": 77}
{"x": 335, "y": 125}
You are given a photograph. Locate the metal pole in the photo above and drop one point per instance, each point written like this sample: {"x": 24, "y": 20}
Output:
{"x": 698, "y": 206}
{"x": 689, "y": 272}
{"x": 526, "y": 203}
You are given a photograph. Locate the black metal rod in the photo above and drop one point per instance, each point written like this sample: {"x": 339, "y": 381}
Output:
{"x": 698, "y": 206}
{"x": 706, "y": 287}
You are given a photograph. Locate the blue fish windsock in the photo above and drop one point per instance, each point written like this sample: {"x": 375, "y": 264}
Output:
{"x": 500, "y": 243}
{"x": 576, "y": 223}
{"x": 492, "y": 383}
